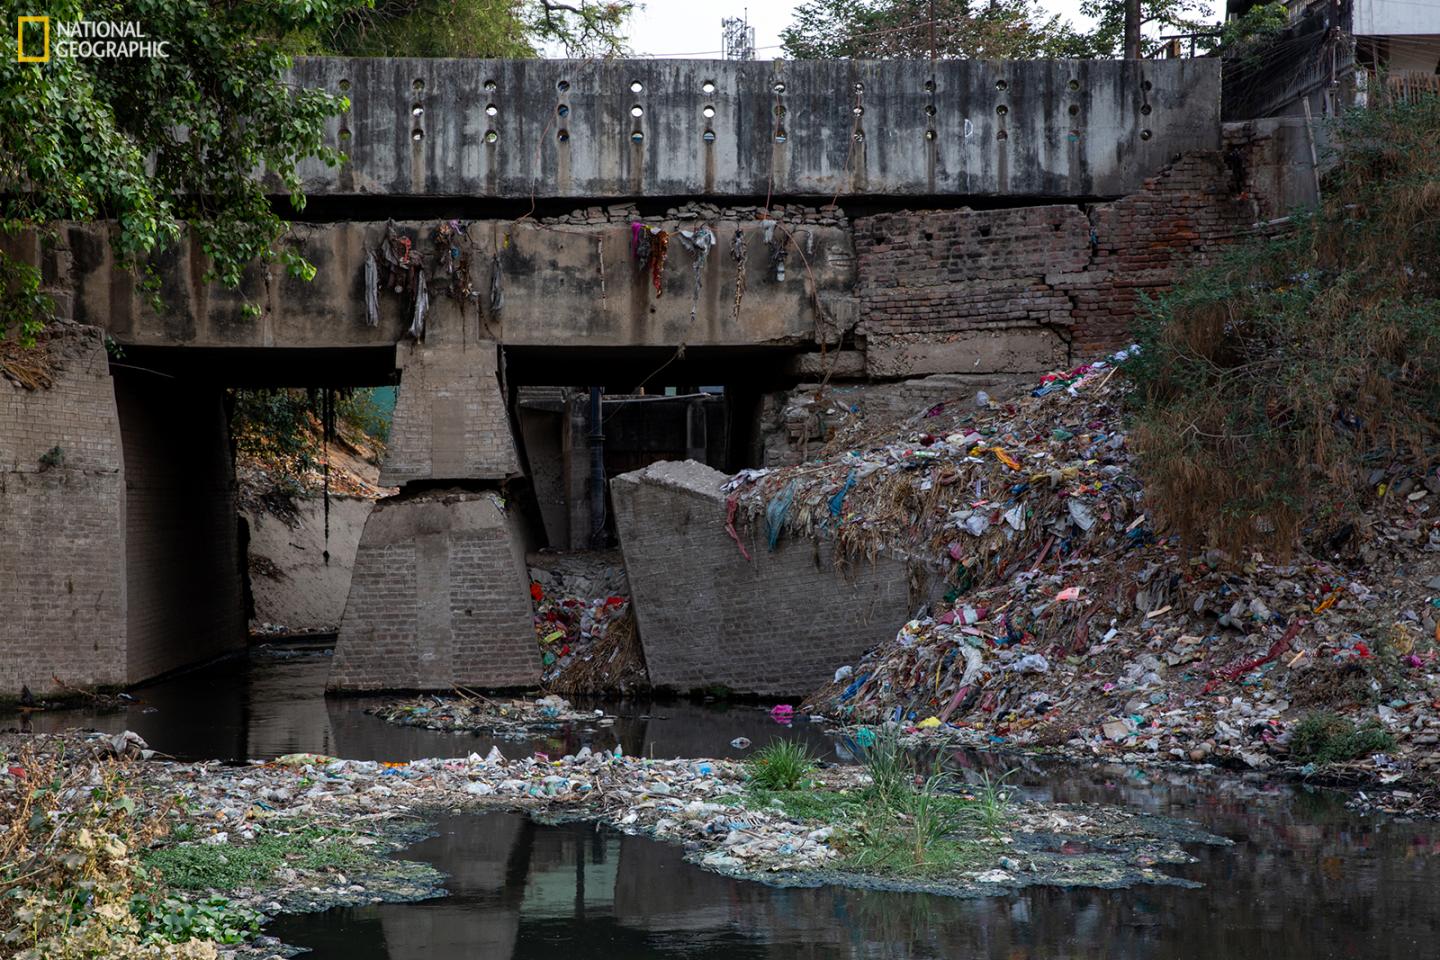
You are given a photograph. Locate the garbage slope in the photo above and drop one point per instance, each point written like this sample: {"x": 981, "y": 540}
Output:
{"x": 1052, "y": 613}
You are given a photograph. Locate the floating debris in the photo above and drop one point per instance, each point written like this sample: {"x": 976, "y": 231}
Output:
{"x": 468, "y": 710}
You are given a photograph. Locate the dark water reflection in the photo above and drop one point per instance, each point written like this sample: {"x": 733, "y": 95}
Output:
{"x": 1329, "y": 889}
{"x": 1306, "y": 879}
{"x": 264, "y": 707}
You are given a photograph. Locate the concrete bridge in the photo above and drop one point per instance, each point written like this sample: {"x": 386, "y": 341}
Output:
{"x": 872, "y": 223}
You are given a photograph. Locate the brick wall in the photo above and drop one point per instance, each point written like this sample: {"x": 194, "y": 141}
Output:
{"x": 1145, "y": 242}
{"x": 1025, "y": 289}
{"x": 62, "y": 527}
{"x": 439, "y": 596}
{"x": 182, "y": 553}
{"x": 777, "y": 625}
{"x": 450, "y": 422}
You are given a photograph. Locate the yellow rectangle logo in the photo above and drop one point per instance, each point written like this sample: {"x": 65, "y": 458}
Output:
{"x": 20, "y": 56}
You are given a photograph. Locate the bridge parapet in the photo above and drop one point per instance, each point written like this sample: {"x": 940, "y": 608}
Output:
{"x": 630, "y": 128}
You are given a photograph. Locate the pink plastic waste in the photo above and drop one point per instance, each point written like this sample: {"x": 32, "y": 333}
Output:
{"x": 782, "y": 713}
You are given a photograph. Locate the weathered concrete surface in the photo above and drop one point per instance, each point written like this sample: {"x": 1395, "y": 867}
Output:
{"x": 580, "y": 286}
{"x": 997, "y": 349}
{"x": 778, "y": 624}
{"x": 1014, "y": 289}
{"x": 564, "y": 128}
{"x": 62, "y": 524}
{"x": 572, "y": 285}
{"x": 329, "y": 311}
{"x": 543, "y": 415}
{"x": 1278, "y": 168}
{"x": 439, "y": 597}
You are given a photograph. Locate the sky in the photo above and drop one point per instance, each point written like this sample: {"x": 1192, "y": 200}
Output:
{"x": 691, "y": 27}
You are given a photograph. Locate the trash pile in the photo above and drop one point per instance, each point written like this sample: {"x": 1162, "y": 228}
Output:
{"x": 588, "y": 646}
{"x": 512, "y": 719}
{"x": 1051, "y": 613}
{"x": 700, "y": 803}
{"x": 585, "y": 625}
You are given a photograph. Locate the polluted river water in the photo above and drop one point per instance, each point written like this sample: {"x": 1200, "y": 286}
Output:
{"x": 1305, "y": 878}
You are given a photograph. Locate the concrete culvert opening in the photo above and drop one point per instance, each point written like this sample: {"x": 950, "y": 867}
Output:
{"x": 248, "y": 481}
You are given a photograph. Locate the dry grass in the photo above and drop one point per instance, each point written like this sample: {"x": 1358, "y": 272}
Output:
{"x": 1272, "y": 384}
{"x": 69, "y": 880}
{"x": 30, "y": 367}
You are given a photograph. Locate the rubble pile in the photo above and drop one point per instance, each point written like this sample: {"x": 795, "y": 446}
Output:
{"x": 508, "y": 718}
{"x": 1052, "y": 613}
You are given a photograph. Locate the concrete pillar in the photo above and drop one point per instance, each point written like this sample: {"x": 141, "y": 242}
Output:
{"x": 439, "y": 597}
{"x": 697, "y": 439}
{"x": 576, "y": 448}
{"x": 776, "y": 624}
{"x": 450, "y": 422}
{"x": 62, "y": 513}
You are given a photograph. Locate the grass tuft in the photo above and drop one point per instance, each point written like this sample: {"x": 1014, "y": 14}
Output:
{"x": 783, "y": 765}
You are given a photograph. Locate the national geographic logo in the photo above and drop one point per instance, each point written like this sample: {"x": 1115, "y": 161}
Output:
{"x": 43, "y": 24}
{"x": 84, "y": 40}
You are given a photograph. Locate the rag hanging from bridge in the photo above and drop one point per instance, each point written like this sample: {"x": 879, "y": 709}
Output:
{"x": 372, "y": 290}
{"x": 698, "y": 242}
{"x": 497, "y": 294}
{"x": 659, "y": 250}
{"x": 422, "y": 306}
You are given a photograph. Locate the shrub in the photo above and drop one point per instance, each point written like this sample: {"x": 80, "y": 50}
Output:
{"x": 1323, "y": 737}
{"x": 1266, "y": 381}
{"x": 70, "y": 887}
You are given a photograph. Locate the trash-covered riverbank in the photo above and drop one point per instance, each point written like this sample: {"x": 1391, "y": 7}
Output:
{"x": 306, "y": 832}
{"x": 1053, "y": 615}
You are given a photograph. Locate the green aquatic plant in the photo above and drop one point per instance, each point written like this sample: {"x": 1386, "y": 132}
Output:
{"x": 991, "y": 799}
{"x": 201, "y": 866}
{"x": 215, "y": 919}
{"x": 783, "y": 765}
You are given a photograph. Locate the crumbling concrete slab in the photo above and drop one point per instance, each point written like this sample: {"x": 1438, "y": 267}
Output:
{"x": 776, "y": 624}
{"x": 1079, "y": 128}
{"x": 439, "y": 597}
